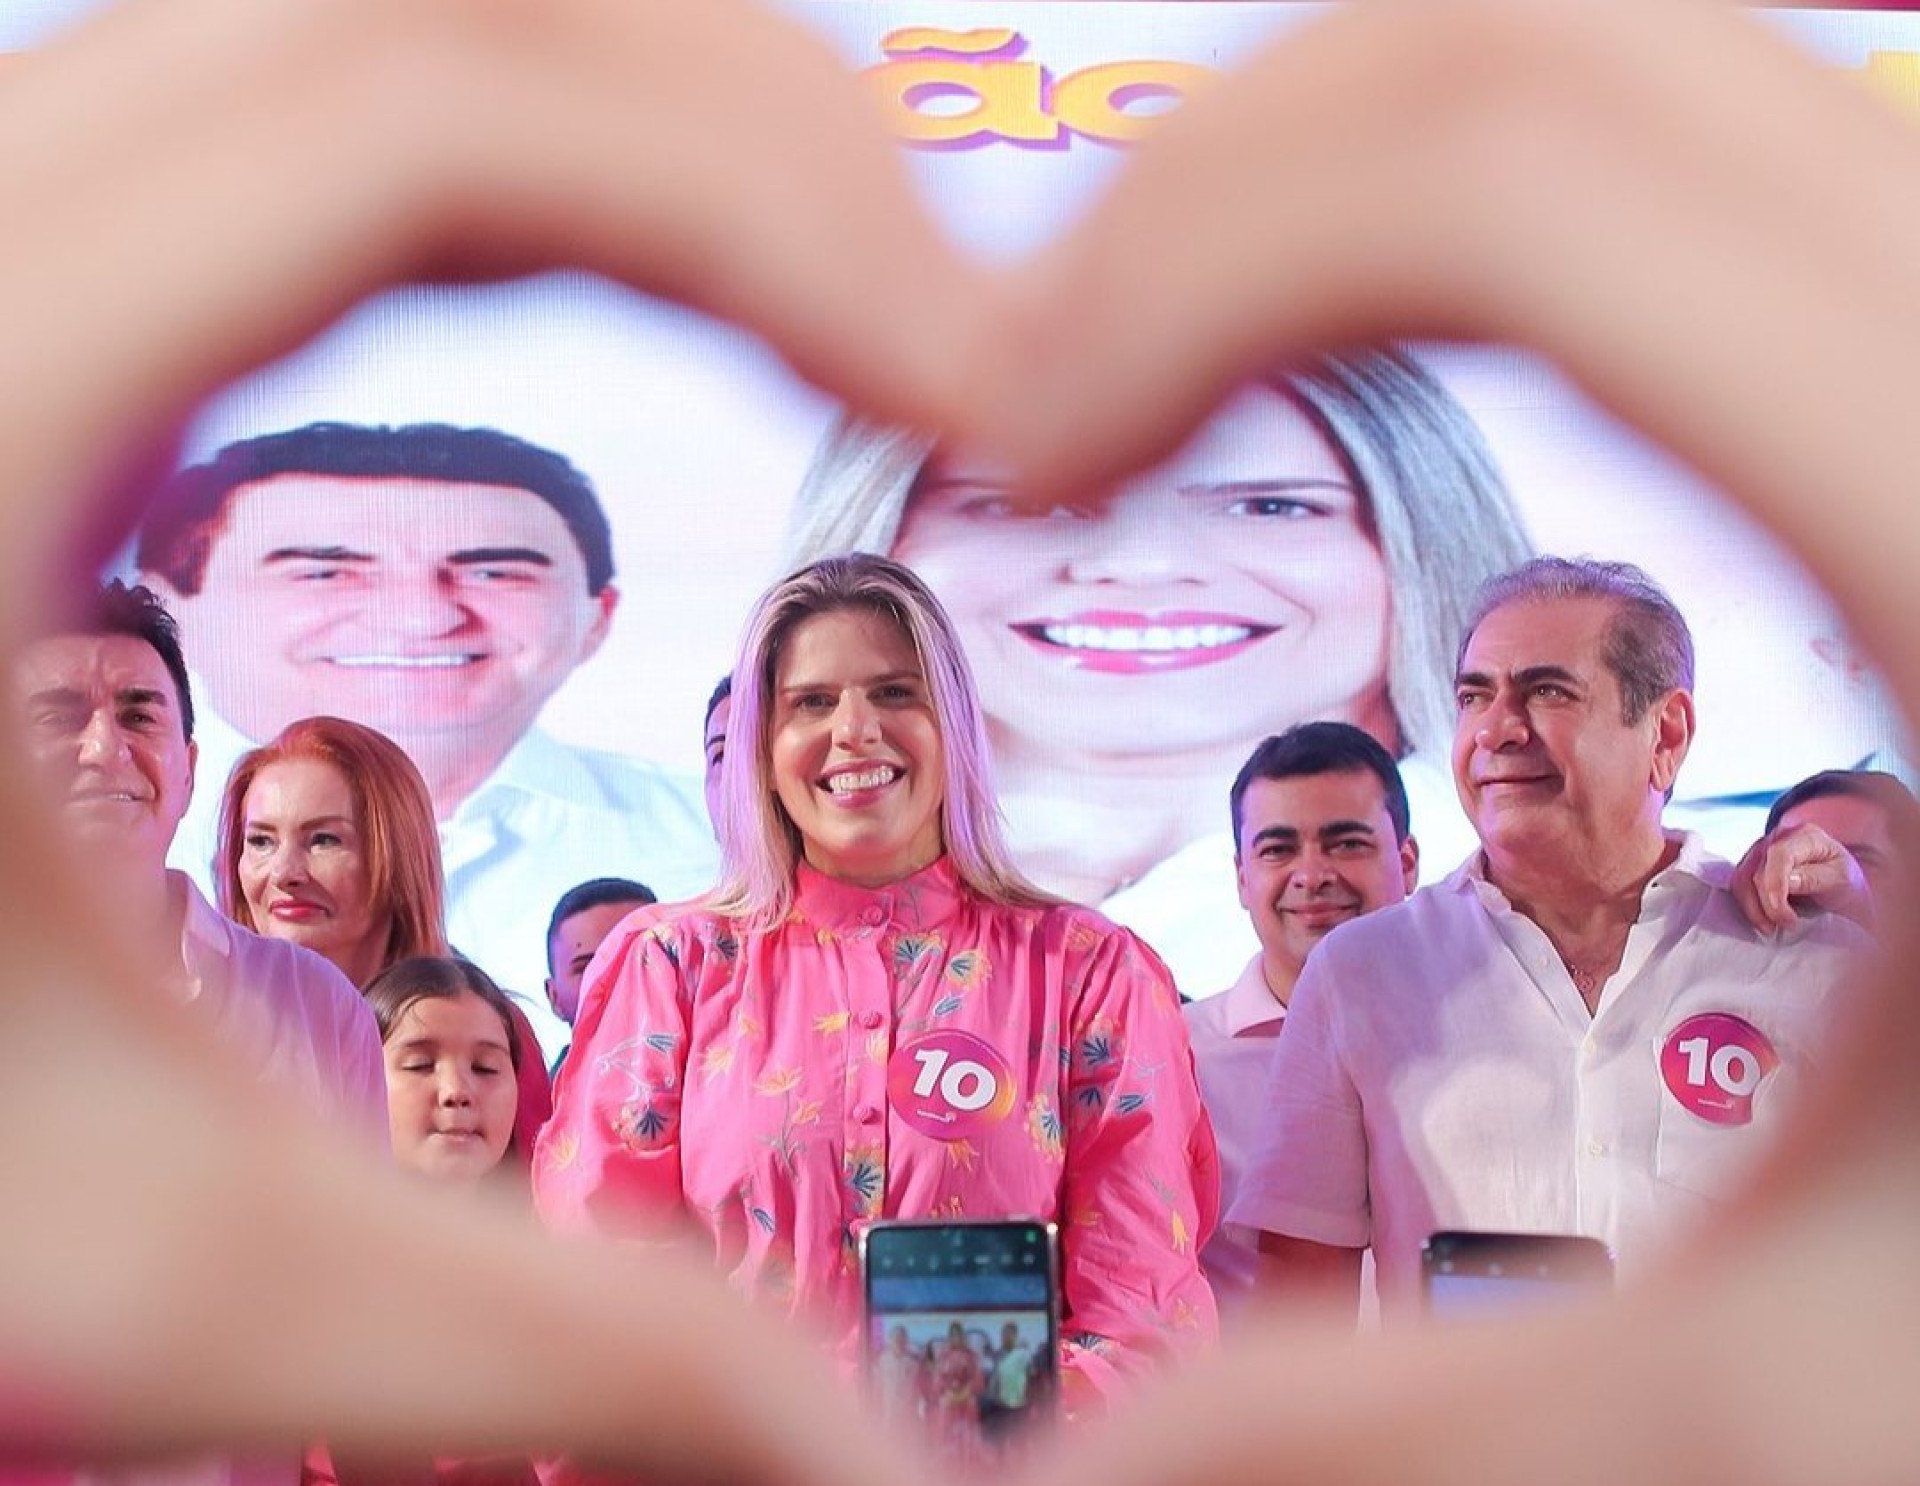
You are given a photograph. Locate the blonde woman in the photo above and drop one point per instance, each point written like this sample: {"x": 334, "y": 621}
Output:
{"x": 878, "y": 1016}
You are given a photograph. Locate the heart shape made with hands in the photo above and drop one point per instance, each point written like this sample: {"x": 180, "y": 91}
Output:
{"x": 193, "y": 186}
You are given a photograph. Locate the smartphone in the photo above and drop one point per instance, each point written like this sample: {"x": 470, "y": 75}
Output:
{"x": 1479, "y": 1274}
{"x": 963, "y": 1332}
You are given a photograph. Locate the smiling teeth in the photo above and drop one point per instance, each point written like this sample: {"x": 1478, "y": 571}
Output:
{"x": 1153, "y": 637}
{"x": 846, "y": 784}
{"x": 406, "y": 662}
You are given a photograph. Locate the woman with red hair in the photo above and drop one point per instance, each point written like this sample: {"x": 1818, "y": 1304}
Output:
{"x": 327, "y": 838}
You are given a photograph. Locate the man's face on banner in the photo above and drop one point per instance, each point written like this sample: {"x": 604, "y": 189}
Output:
{"x": 417, "y": 607}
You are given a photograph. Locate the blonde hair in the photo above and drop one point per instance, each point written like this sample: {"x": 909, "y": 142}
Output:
{"x": 760, "y": 846}
{"x": 1436, "y": 505}
{"x": 396, "y": 822}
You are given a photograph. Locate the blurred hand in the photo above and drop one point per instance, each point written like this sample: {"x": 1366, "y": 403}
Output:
{"x": 1716, "y": 239}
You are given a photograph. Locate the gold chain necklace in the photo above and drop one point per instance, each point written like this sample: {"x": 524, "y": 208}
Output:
{"x": 1585, "y": 981}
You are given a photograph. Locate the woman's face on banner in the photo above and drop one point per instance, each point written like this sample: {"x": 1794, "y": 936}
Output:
{"x": 1231, "y": 592}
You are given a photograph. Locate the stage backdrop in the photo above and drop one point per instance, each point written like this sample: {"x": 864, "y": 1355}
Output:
{"x": 1307, "y": 556}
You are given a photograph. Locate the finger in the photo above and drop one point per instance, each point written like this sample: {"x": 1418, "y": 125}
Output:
{"x": 1774, "y": 885}
{"x": 1763, "y": 883}
{"x": 275, "y": 173}
{"x": 1295, "y": 1405}
{"x": 1746, "y": 894}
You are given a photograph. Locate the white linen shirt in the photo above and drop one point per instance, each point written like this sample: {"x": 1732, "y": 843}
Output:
{"x": 1440, "y": 1070}
{"x": 1233, "y": 1036}
{"x": 548, "y": 818}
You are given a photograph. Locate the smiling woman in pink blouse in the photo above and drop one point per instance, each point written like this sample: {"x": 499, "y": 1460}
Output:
{"x": 772, "y": 1063}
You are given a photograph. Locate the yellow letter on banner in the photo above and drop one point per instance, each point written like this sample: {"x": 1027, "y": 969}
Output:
{"x": 1083, "y": 101}
{"x": 1006, "y": 95}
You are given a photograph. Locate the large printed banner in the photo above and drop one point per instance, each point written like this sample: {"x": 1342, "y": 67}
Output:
{"x": 543, "y": 644}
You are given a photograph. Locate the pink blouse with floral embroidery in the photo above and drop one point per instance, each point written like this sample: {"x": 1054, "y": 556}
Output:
{"x": 908, "y": 1051}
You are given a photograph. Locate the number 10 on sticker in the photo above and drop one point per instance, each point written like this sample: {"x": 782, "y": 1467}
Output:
{"x": 961, "y": 1082}
{"x": 951, "y": 1085}
{"x": 1714, "y": 1064}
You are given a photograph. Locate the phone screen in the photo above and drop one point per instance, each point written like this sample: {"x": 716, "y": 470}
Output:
{"x": 1482, "y": 1274}
{"x": 962, "y": 1332}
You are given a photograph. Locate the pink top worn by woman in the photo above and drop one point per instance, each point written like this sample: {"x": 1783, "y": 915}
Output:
{"x": 904, "y": 1051}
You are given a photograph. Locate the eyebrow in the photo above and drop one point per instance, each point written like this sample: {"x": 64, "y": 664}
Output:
{"x": 803, "y": 686}
{"x": 465, "y": 557}
{"x": 305, "y": 825}
{"x": 316, "y": 554}
{"x": 477, "y": 556}
{"x": 432, "y": 1044}
{"x": 1525, "y": 676}
{"x": 1288, "y": 834}
{"x": 1266, "y": 487}
{"x": 72, "y": 696}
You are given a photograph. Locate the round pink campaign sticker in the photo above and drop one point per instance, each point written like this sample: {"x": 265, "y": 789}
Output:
{"x": 1713, "y": 1063}
{"x": 950, "y": 1085}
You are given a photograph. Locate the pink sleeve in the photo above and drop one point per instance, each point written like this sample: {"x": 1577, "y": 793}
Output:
{"x": 1142, "y": 1174}
{"x": 609, "y": 1159}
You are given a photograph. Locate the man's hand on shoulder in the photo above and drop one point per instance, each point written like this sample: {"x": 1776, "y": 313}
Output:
{"x": 1798, "y": 870}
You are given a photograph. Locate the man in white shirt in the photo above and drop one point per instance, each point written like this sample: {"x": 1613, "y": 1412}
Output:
{"x": 1320, "y": 825}
{"x": 1578, "y": 1031}
{"x": 107, "y": 716}
{"x": 438, "y": 584}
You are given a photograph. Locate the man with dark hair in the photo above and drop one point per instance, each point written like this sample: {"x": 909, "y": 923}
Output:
{"x": 107, "y": 715}
{"x": 1797, "y": 802}
{"x": 583, "y": 917}
{"x": 439, "y": 584}
{"x": 1320, "y": 832}
{"x": 106, "y": 711}
{"x": 1576, "y": 1032}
